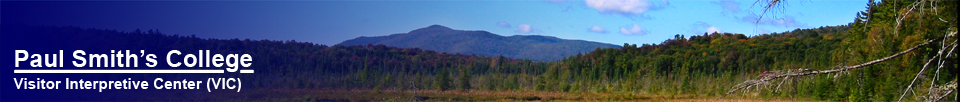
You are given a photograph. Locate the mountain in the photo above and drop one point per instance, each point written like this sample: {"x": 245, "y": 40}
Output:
{"x": 444, "y": 39}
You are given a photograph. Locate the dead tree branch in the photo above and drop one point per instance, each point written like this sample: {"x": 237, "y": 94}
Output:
{"x": 935, "y": 92}
{"x": 942, "y": 91}
{"x": 804, "y": 72}
{"x": 938, "y": 56}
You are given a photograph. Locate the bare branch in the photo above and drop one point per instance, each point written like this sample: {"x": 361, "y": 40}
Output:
{"x": 937, "y": 72}
{"x": 942, "y": 91}
{"x": 804, "y": 72}
{"x": 938, "y": 56}
{"x": 904, "y": 16}
{"x": 934, "y": 93}
{"x": 768, "y": 5}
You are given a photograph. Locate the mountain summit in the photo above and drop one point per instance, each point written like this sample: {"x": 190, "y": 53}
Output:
{"x": 444, "y": 39}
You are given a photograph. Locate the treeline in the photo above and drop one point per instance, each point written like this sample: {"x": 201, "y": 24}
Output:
{"x": 711, "y": 64}
{"x": 705, "y": 64}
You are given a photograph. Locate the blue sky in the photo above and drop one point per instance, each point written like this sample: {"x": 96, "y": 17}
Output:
{"x": 331, "y": 22}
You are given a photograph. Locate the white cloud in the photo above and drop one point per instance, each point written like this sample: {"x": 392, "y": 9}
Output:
{"x": 503, "y": 24}
{"x": 597, "y": 29}
{"x": 624, "y": 7}
{"x": 712, "y": 29}
{"x": 729, "y": 6}
{"x": 634, "y": 30}
{"x": 526, "y": 29}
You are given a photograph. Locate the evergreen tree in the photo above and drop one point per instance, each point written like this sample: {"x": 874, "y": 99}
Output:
{"x": 442, "y": 79}
{"x": 464, "y": 80}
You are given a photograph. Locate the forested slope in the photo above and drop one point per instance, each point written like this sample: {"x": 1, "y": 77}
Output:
{"x": 442, "y": 39}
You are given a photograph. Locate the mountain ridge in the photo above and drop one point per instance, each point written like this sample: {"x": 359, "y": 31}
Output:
{"x": 444, "y": 39}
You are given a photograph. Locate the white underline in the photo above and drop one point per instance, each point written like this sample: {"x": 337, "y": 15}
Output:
{"x": 246, "y": 71}
{"x": 121, "y": 71}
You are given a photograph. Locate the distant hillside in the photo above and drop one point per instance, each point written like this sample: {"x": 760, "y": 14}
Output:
{"x": 443, "y": 39}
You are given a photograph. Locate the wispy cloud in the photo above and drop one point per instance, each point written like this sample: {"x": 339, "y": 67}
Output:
{"x": 763, "y": 31}
{"x": 703, "y": 27}
{"x": 503, "y": 24}
{"x": 526, "y": 29}
{"x": 597, "y": 29}
{"x": 729, "y": 6}
{"x": 633, "y": 30}
{"x": 713, "y": 30}
{"x": 786, "y": 21}
{"x": 625, "y": 7}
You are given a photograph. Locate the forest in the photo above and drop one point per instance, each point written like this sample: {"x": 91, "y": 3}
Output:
{"x": 702, "y": 65}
